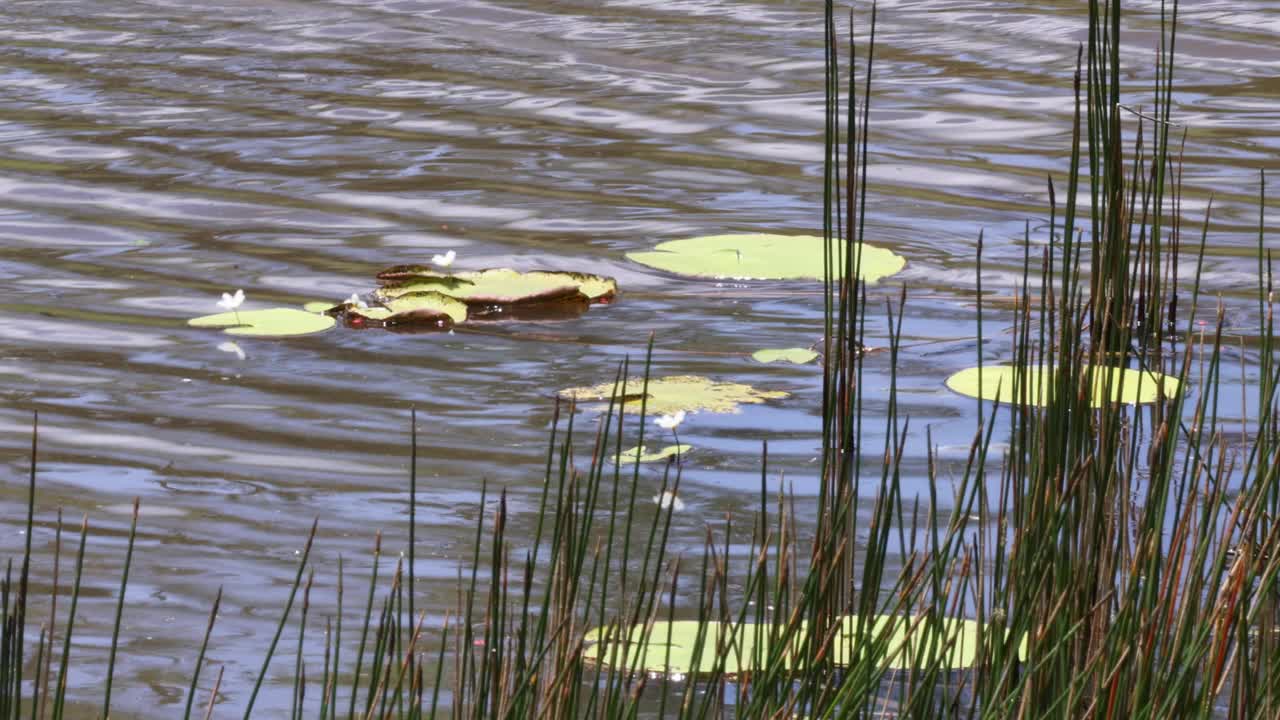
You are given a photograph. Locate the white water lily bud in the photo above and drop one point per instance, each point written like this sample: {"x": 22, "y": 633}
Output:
{"x": 668, "y": 499}
{"x": 231, "y": 302}
{"x": 670, "y": 422}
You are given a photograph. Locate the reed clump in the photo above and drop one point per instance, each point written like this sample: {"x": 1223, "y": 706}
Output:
{"x": 1111, "y": 561}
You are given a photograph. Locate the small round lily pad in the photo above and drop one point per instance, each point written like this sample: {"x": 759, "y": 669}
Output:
{"x": 643, "y": 455}
{"x": 317, "y": 306}
{"x": 669, "y": 647}
{"x": 497, "y": 287}
{"x": 763, "y": 257}
{"x": 691, "y": 393}
{"x": 798, "y": 356}
{"x": 272, "y": 322}
{"x": 1006, "y": 384}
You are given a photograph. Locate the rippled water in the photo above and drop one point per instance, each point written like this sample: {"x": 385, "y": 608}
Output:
{"x": 156, "y": 153}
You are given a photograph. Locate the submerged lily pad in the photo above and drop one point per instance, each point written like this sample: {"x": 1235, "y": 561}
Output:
{"x": 897, "y": 640}
{"x": 1006, "y": 384}
{"x": 644, "y": 456}
{"x": 799, "y": 356}
{"x": 691, "y": 393}
{"x": 273, "y": 322}
{"x": 497, "y": 287}
{"x": 762, "y": 257}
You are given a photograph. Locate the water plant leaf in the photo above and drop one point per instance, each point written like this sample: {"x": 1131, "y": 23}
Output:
{"x": 1006, "y": 383}
{"x": 272, "y": 322}
{"x": 318, "y": 306}
{"x": 644, "y": 456}
{"x": 498, "y": 286}
{"x": 669, "y": 395}
{"x": 427, "y": 303}
{"x": 417, "y": 309}
{"x": 761, "y": 257}
{"x": 899, "y": 641}
{"x": 799, "y": 356}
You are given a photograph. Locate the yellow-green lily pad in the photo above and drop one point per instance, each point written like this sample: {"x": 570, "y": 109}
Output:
{"x": 411, "y": 310}
{"x": 643, "y": 455}
{"x": 799, "y": 356}
{"x": 763, "y": 257}
{"x": 497, "y": 287}
{"x": 898, "y": 641}
{"x": 317, "y": 306}
{"x": 691, "y": 393}
{"x": 427, "y": 304}
{"x": 272, "y": 322}
{"x": 1006, "y": 384}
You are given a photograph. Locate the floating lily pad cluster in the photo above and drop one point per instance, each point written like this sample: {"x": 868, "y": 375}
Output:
{"x": 670, "y": 647}
{"x": 414, "y": 296}
{"x": 422, "y": 296}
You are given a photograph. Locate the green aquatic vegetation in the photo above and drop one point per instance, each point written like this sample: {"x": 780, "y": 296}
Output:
{"x": 642, "y": 453}
{"x": 417, "y": 309}
{"x": 764, "y": 257}
{"x": 693, "y": 648}
{"x": 1012, "y": 385}
{"x": 419, "y": 296}
{"x": 671, "y": 395}
{"x": 1116, "y": 563}
{"x": 797, "y": 356}
{"x": 496, "y": 287}
{"x": 427, "y": 305}
{"x": 272, "y": 322}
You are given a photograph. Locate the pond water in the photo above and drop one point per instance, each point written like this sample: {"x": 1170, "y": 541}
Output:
{"x": 154, "y": 154}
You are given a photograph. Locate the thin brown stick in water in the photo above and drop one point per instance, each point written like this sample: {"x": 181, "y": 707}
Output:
{"x": 1148, "y": 117}
{"x": 213, "y": 696}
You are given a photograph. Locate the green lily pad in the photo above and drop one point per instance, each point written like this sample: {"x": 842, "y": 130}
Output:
{"x": 318, "y": 306}
{"x": 691, "y": 393}
{"x": 272, "y": 322}
{"x": 799, "y": 356}
{"x": 411, "y": 310}
{"x": 645, "y": 456}
{"x": 1003, "y": 383}
{"x": 762, "y": 257}
{"x": 898, "y": 641}
{"x": 497, "y": 287}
